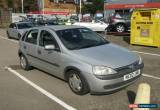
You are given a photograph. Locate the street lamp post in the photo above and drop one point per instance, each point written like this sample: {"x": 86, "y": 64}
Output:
{"x": 43, "y": 8}
{"x": 80, "y": 10}
{"x": 22, "y": 6}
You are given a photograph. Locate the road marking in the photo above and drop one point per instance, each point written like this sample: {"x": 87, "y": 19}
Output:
{"x": 150, "y": 76}
{"x": 9, "y": 39}
{"x": 46, "y": 93}
{"x": 147, "y": 53}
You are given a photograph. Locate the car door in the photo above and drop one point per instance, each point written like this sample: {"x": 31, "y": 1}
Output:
{"x": 12, "y": 29}
{"x": 29, "y": 46}
{"x": 49, "y": 60}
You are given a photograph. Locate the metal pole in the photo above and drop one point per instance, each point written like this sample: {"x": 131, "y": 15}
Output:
{"x": 22, "y": 6}
{"x": 80, "y": 10}
{"x": 43, "y": 8}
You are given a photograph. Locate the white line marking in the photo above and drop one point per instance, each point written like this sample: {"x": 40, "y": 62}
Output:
{"x": 150, "y": 76}
{"x": 49, "y": 95}
{"x": 147, "y": 53}
{"x": 9, "y": 39}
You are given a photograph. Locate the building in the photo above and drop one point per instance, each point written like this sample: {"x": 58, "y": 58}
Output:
{"x": 111, "y": 6}
{"x": 61, "y": 7}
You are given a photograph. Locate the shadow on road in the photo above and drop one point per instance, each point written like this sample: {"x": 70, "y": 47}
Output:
{"x": 131, "y": 96}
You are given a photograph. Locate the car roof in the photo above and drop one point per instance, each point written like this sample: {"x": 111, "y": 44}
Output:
{"x": 59, "y": 27}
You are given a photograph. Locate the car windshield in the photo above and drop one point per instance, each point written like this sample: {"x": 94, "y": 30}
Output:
{"x": 80, "y": 38}
{"x": 24, "y": 25}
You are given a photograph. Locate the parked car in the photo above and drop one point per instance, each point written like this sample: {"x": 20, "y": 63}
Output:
{"x": 83, "y": 58}
{"x": 98, "y": 26}
{"x": 16, "y": 30}
{"x": 46, "y": 22}
{"x": 74, "y": 18}
{"x": 119, "y": 23}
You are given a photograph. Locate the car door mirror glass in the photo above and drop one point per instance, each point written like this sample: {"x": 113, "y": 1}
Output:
{"x": 49, "y": 47}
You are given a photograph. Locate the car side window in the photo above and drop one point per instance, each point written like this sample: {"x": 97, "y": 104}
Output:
{"x": 32, "y": 36}
{"x": 14, "y": 26}
{"x": 46, "y": 38}
{"x": 11, "y": 25}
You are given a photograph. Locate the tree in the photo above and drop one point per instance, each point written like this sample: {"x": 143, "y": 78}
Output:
{"x": 16, "y": 4}
{"x": 97, "y": 5}
{"x": 4, "y": 4}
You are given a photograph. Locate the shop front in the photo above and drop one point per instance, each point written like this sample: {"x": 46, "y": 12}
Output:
{"x": 127, "y": 6}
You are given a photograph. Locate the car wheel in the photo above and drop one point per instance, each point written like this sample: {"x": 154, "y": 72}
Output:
{"x": 24, "y": 63}
{"x": 120, "y": 28}
{"x": 9, "y": 37}
{"x": 77, "y": 83}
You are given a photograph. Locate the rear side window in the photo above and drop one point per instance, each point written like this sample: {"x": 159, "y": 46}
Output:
{"x": 32, "y": 36}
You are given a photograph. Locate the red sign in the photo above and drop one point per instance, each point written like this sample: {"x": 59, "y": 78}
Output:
{"x": 49, "y": 12}
{"x": 128, "y": 6}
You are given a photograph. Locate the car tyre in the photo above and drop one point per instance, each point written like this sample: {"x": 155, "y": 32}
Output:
{"x": 24, "y": 63}
{"x": 77, "y": 82}
{"x": 120, "y": 28}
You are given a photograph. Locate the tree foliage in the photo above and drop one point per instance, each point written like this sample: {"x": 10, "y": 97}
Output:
{"x": 29, "y": 5}
{"x": 97, "y": 5}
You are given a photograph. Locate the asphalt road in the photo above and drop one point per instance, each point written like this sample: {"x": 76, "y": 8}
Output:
{"x": 42, "y": 91}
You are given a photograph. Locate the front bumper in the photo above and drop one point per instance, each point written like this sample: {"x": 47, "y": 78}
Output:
{"x": 109, "y": 84}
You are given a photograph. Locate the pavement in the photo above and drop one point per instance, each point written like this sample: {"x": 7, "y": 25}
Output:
{"x": 37, "y": 90}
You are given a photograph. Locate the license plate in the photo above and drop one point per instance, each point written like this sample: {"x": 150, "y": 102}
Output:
{"x": 131, "y": 75}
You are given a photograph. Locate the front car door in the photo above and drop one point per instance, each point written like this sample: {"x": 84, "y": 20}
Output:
{"x": 14, "y": 31}
{"x": 49, "y": 60}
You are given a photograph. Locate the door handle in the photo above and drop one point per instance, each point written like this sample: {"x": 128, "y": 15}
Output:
{"x": 39, "y": 52}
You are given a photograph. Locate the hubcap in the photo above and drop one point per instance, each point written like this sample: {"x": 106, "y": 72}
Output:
{"x": 75, "y": 82}
{"x": 120, "y": 29}
{"x": 23, "y": 62}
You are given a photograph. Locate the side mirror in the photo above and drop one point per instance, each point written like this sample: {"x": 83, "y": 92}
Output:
{"x": 49, "y": 47}
{"x": 14, "y": 28}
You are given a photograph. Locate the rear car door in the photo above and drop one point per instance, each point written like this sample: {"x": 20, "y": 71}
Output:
{"x": 29, "y": 46}
{"x": 12, "y": 30}
{"x": 49, "y": 60}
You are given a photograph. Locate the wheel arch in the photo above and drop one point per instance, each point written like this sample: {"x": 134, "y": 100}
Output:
{"x": 67, "y": 69}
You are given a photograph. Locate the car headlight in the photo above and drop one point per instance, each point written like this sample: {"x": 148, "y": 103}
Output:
{"x": 102, "y": 70}
{"x": 140, "y": 60}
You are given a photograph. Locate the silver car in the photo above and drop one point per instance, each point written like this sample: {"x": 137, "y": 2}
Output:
{"x": 16, "y": 30}
{"x": 83, "y": 58}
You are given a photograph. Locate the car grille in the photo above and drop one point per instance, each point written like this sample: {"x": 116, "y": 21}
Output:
{"x": 129, "y": 68}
